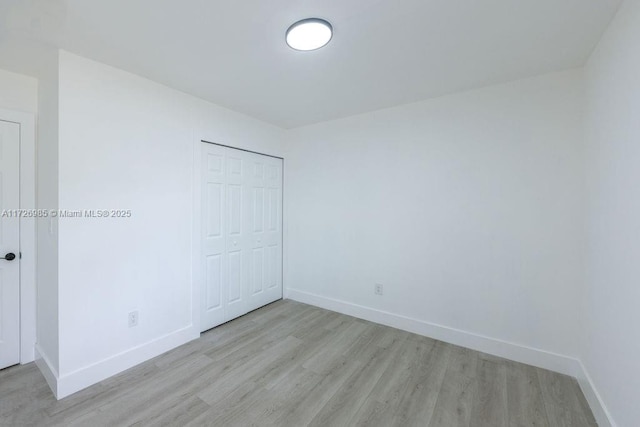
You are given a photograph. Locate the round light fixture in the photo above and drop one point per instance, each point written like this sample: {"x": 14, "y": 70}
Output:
{"x": 309, "y": 34}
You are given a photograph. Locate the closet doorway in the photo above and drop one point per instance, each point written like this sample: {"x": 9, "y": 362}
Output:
{"x": 241, "y": 232}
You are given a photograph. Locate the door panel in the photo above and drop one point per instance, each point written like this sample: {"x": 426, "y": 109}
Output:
{"x": 214, "y": 205}
{"x": 257, "y": 276}
{"x": 266, "y": 236}
{"x": 214, "y": 282}
{"x": 213, "y": 241}
{"x": 273, "y": 261}
{"x": 235, "y": 209}
{"x": 258, "y": 209}
{"x": 238, "y": 251}
{"x": 9, "y": 242}
{"x": 235, "y": 275}
{"x": 273, "y": 209}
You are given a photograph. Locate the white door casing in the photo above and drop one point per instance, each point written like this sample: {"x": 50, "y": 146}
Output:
{"x": 9, "y": 243}
{"x": 241, "y": 233}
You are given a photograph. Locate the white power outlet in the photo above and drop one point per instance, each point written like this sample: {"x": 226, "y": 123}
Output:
{"x": 378, "y": 290}
{"x": 133, "y": 319}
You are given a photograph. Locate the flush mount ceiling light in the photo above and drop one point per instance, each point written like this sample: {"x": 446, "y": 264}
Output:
{"x": 309, "y": 34}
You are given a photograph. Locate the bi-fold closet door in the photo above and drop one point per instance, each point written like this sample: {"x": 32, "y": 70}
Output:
{"x": 241, "y": 233}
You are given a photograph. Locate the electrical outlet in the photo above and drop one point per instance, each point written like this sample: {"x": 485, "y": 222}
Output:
{"x": 378, "y": 289}
{"x": 133, "y": 319}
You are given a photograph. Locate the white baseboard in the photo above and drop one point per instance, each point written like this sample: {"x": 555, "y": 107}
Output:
{"x": 516, "y": 352}
{"x": 46, "y": 367}
{"x": 599, "y": 409}
{"x": 67, "y": 384}
{"x": 519, "y": 353}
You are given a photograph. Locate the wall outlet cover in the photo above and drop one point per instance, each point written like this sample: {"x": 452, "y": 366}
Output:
{"x": 133, "y": 319}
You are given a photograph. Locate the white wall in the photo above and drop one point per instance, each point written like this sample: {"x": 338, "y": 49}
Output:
{"x": 611, "y": 350}
{"x": 467, "y": 208}
{"x": 18, "y": 92}
{"x": 128, "y": 143}
{"x": 46, "y": 235}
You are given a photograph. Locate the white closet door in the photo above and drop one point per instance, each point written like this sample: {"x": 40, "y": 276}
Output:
{"x": 214, "y": 292}
{"x": 237, "y": 233}
{"x": 265, "y": 224}
{"x": 242, "y": 233}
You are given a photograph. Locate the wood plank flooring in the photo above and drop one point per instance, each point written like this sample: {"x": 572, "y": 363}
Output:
{"x": 290, "y": 364}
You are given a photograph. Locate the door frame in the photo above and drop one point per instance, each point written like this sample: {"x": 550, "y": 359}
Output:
{"x": 196, "y": 226}
{"x": 27, "y": 249}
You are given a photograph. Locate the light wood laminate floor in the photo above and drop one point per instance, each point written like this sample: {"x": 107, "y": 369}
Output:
{"x": 290, "y": 364}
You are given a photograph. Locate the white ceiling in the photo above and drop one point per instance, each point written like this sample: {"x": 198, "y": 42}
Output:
{"x": 384, "y": 52}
